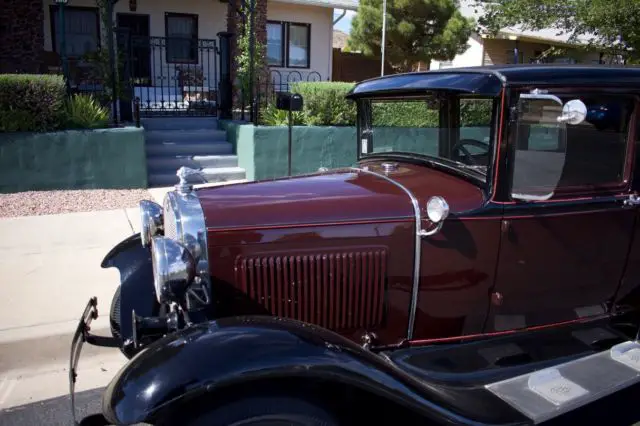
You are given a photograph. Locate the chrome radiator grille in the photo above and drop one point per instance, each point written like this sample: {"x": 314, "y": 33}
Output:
{"x": 333, "y": 290}
{"x": 170, "y": 226}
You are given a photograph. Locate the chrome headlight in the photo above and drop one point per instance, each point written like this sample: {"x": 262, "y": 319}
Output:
{"x": 151, "y": 221}
{"x": 437, "y": 209}
{"x": 174, "y": 269}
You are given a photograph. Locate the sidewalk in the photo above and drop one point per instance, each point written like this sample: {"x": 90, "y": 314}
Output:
{"x": 50, "y": 267}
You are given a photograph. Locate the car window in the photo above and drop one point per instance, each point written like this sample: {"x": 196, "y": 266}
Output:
{"x": 595, "y": 151}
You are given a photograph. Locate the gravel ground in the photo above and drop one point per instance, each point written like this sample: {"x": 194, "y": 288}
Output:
{"x": 35, "y": 203}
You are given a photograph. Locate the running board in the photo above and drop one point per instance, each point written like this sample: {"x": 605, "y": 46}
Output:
{"x": 544, "y": 394}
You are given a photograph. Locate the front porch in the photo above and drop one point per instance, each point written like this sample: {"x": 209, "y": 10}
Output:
{"x": 169, "y": 52}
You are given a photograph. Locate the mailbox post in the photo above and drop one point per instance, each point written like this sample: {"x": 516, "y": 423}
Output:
{"x": 289, "y": 102}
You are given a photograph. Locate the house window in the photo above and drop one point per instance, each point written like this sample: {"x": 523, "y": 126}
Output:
{"x": 275, "y": 44}
{"x": 81, "y": 30}
{"x": 288, "y": 44}
{"x": 181, "y": 31}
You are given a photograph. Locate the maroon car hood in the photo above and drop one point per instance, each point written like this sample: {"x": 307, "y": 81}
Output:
{"x": 342, "y": 195}
{"x": 334, "y": 197}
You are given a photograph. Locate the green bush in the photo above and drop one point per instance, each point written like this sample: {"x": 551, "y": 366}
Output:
{"x": 325, "y": 105}
{"x": 404, "y": 114}
{"x": 85, "y": 112}
{"x": 31, "y": 102}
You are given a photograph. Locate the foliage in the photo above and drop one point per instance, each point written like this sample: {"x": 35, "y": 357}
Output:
{"x": 610, "y": 25}
{"x": 84, "y": 112}
{"x": 404, "y": 114}
{"x": 325, "y": 105}
{"x": 416, "y": 31}
{"x": 243, "y": 55}
{"x": 272, "y": 116}
{"x": 30, "y": 102}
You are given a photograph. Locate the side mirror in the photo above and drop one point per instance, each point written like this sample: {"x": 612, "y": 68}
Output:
{"x": 573, "y": 112}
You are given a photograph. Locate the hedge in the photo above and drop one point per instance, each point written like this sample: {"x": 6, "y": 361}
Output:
{"x": 31, "y": 102}
{"x": 325, "y": 105}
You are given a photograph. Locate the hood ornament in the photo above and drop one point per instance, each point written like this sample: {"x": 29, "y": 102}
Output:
{"x": 183, "y": 173}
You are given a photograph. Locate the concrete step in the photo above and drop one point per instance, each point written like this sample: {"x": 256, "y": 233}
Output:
{"x": 186, "y": 135}
{"x": 174, "y": 162}
{"x": 188, "y": 149}
{"x": 221, "y": 174}
{"x": 179, "y": 123}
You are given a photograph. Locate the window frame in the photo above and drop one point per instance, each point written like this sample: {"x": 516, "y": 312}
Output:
{"x": 285, "y": 27}
{"x": 54, "y": 11}
{"x": 195, "y": 17}
{"x": 282, "y": 43}
{"x": 577, "y": 192}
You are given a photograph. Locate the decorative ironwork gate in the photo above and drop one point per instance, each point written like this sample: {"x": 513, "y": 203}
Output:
{"x": 170, "y": 76}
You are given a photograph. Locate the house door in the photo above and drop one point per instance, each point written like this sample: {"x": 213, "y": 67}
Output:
{"x": 566, "y": 232}
{"x": 134, "y": 45}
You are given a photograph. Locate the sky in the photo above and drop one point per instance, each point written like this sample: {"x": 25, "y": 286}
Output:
{"x": 345, "y": 23}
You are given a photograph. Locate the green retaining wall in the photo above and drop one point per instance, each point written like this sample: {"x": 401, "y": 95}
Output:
{"x": 73, "y": 159}
{"x": 262, "y": 150}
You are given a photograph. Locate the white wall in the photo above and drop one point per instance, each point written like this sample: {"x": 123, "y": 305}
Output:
{"x": 212, "y": 15}
{"x": 321, "y": 20}
{"x": 470, "y": 58}
{"x": 212, "y": 18}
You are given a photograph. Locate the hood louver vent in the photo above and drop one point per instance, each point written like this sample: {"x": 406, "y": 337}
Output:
{"x": 339, "y": 291}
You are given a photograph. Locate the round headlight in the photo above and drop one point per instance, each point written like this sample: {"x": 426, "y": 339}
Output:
{"x": 437, "y": 209}
{"x": 151, "y": 221}
{"x": 173, "y": 269}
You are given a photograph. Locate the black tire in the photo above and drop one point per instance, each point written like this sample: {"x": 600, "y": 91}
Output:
{"x": 265, "y": 411}
{"x": 114, "y": 314}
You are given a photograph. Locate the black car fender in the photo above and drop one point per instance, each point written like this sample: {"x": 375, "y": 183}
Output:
{"x": 161, "y": 380}
{"x": 136, "y": 292}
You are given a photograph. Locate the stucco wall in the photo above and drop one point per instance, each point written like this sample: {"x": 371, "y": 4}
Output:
{"x": 73, "y": 159}
{"x": 321, "y": 20}
{"x": 263, "y": 151}
{"x": 212, "y": 15}
{"x": 471, "y": 57}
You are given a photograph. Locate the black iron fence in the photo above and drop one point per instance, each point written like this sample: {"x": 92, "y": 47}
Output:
{"x": 170, "y": 76}
{"x": 266, "y": 90}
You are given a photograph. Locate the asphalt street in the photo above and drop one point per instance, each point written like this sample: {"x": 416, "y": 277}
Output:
{"x": 52, "y": 412}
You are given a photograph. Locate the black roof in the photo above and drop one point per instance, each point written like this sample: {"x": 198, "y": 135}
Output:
{"x": 489, "y": 80}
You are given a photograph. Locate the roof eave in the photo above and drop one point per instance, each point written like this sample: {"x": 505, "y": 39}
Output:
{"x": 331, "y": 4}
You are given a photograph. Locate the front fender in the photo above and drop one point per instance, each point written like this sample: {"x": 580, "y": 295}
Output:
{"x": 137, "y": 291}
{"x": 232, "y": 351}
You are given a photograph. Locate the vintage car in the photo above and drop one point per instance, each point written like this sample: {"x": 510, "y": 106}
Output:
{"x": 478, "y": 264}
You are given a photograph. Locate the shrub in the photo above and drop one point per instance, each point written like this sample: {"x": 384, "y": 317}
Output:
{"x": 31, "y": 102}
{"x": 84, "y": 112}
{"x": 325, "y": 103}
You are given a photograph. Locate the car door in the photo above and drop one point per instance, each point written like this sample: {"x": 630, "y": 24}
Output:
{"x": 567, "y": 226}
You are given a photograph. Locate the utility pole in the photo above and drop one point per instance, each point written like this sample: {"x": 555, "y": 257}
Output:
{"x": 384, "y": 31}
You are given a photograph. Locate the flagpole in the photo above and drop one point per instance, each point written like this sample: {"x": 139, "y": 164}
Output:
{"x": 384, "y": 30}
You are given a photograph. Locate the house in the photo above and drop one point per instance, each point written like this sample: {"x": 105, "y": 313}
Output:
{"x": 169, "y": 50}
{"x": 517, "y": 45}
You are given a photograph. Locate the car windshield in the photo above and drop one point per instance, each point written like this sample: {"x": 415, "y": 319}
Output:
{"x": 444, "y": 128}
